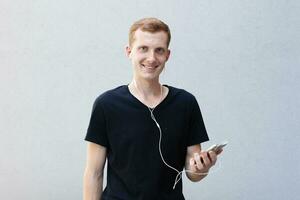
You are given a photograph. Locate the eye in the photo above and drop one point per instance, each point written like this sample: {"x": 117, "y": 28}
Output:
{"x": 143, "y": 48}
{"x": 160, "y": 50}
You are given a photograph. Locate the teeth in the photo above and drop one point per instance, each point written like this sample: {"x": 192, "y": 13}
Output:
{"x": 149, "y": 67}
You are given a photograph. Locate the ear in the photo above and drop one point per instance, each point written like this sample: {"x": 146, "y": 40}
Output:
{"x": 168, "y": 54}
{"x": 128, "y": 51}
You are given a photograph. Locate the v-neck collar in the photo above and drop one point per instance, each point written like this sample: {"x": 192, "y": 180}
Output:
{"x": 144, "y": 105}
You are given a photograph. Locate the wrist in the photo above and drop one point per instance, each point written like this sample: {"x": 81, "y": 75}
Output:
{"x": 197, "y": 175}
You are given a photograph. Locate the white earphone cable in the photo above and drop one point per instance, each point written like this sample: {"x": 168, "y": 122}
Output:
{"x": 179, "y": 173}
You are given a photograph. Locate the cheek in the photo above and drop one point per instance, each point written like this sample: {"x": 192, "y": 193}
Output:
{"x": 162, "y": 59}
{"x": 136, "y": 61}
{"x": 139, "y": 58}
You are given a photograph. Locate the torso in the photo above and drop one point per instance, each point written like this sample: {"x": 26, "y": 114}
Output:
{"x": 135, "y": 169}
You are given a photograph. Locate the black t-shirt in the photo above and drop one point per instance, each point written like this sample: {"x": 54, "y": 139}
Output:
{"x": 123, "y": 124}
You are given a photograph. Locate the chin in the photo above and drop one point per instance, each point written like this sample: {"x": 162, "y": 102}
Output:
{"x": 149, "y": 77}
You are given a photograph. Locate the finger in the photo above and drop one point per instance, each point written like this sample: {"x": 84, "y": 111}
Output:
{"x": 213, "y": 157}
{"x": 198, "y": 161}
{"x": 192, "y": 164}
{"x": 206, "y": 160}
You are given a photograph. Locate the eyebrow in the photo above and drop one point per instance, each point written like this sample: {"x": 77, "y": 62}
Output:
{"x": 160, "y": 47}
{"x": 142, "y": 46}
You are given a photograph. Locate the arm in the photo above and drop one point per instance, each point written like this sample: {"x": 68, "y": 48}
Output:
{"x": 198, "y": 162}
{"x": 93, "y": 174}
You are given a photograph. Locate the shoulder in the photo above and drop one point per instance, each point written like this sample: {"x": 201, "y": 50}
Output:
{"x": 110, "y": 96}
{"x": 181, "y": 93}
{"x": 183, "y": 98}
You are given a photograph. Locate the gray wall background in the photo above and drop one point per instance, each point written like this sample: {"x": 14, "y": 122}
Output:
{"x": 239, "y": 58}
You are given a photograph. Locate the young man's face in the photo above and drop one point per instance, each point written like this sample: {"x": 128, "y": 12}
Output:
{"x": 148, "y": 54}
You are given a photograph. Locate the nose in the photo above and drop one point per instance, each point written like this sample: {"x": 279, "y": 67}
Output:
{"x": 151, "y": 57}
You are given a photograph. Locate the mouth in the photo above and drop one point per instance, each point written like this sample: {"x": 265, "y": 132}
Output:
{"x": 150, "y": 67}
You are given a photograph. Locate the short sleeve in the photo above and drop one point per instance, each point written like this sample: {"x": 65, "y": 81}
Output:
{"x": 197, "y": 130}
{"x": 97, "y": 128}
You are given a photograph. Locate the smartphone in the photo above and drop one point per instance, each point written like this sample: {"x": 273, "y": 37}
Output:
{"x": 217, "y": 147}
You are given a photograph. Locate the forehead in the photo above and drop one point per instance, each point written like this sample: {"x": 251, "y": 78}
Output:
{"x": 150, "y": 39}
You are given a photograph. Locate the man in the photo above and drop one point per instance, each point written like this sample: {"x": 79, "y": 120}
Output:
{"x": 147, "y": 131}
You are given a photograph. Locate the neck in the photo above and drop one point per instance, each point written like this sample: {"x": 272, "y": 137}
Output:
{"x": 150, "y": 94}
{"x": 147, "y": 88}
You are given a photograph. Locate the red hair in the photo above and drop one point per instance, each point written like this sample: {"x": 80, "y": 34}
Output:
{"x": 151, "y": 25}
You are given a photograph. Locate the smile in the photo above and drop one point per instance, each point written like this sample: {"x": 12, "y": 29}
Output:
{"x": 150, "y": 67}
